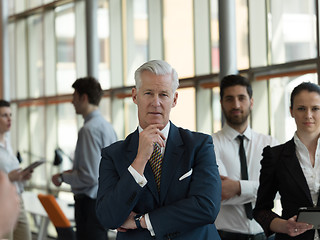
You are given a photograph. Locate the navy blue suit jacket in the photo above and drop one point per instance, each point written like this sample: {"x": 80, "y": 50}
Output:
{"x": 281, "y": 172}
{"x": 184, "y": 209}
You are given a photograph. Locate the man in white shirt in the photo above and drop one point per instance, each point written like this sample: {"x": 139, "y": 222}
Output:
{"x": 234, "y": 220}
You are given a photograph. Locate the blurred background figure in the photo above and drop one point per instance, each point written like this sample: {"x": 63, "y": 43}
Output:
{"x": 95, "y": 134}
{"x": 9, "y": 205}
{"x": 10, "y": 165}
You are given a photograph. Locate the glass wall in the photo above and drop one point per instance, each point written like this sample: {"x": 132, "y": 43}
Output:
{"x": 178, "y": 36}
{"x": 292, "y": 28}
{"x": 65, "y": 42}
{"x": 276, "y": 43}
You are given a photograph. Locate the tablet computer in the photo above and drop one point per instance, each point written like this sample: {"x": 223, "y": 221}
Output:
{"x": 33, "y": 165}
{"x": 309, "y": 215}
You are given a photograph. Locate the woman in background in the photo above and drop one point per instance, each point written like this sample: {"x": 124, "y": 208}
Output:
{"x": 10, "y": 164}
{"x": 293, "y": 170}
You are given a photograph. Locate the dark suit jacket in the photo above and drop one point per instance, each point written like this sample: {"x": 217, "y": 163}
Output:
{"x": 184, "y": 209}
{"x": 281, "y": 172}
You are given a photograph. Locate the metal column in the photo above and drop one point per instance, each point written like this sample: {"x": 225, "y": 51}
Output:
{"x": 227, "y": 38}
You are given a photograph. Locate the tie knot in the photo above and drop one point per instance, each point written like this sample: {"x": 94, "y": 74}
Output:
{"x": 240, "y": 137}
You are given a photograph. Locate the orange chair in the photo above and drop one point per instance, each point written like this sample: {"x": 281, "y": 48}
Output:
{"x": 57, "y": 217}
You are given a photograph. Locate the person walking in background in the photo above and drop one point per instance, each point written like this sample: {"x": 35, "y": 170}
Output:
{"x": 10, "y": 165}
{"x": 293, "y": 170}
{"x": 161, "y": 182}
{"x": 95, "y": 134}
{"x": 238, "y": 152}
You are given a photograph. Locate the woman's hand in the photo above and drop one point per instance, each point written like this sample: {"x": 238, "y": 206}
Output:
{"x": 19, "y": 175}
{"x": 295, "y": 228}
{"x": 290, "y": 226}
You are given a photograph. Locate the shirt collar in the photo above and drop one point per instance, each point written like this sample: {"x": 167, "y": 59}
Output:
{"x": 91, "y": 115}
{"x": 299, "y": 145}
{"x": 232, "y": 134}
{"x": 164, "y": 131}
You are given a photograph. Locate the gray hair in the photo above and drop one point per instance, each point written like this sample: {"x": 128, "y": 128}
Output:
{"x": 159, "y": 68}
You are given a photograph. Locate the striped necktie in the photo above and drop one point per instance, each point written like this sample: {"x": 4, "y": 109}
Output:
{"x": 156, "y": 162}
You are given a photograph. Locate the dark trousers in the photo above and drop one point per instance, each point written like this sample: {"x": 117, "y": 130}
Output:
{"x": 87, "y": 224}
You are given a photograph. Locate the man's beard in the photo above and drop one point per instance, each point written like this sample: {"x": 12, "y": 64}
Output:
{"x": 236, "y": 120}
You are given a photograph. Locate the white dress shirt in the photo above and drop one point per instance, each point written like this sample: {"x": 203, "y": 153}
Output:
{"x": 232, "y": 216}
{"x": 142, "y": 181}
{"x": 310, "y": 172}
{"x": 9, "y": 162}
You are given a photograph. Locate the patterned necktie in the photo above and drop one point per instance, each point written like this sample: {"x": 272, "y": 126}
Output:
{"x": 244, "y": 174}
{"x": 156, "y": 162}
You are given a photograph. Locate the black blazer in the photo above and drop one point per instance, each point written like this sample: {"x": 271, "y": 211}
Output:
{"x": 281, "y": 171}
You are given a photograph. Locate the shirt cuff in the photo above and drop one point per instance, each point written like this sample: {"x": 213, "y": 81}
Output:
{"x": 141, "y": 180}
{"x": 249, "y": 188}
{"x": 148, "y": 223}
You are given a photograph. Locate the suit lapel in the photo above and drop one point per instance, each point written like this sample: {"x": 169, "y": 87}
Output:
{"x": 172, "y": 157}
{"x": 292, "y": 163}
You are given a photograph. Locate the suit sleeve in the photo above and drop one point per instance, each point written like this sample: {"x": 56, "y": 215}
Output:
{"x": 118, "y": 192}
{"x": 202, "y": 203}
{"x": 268, "y": 188}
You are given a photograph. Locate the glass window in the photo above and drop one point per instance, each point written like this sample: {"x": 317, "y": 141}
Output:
{"x": 292, "y": 26}
{"x": 104, "y": 40}
{"x": 105, "y": 108}
{"x": 216, "y": 111}
{"x": 22, "y": 139}
{"x": 12, "y": 65}
{"x": 11, "y": 7}
{"x": 260, "y": 111}
{"x": 136, "y": 40}
{"x": 14, "y": 133}
{"x": 50, "y": 88}
{"x": 20, "y": 5}
{"x": 51, "y": 123}
{"x": 184, "y": 113}
{"x": 21, "y": 60}
{"x": 34, "y": 3}
{"x": 178, "y": 36}
{"x": 35, "y": 41}
{"x": 242, "y": 34}
{"x": 37, "y": 143}
{"x": 65, "y": 37}
{"x": 67, "y": 132}
{"x": 258, "y": 33}
{"x": 131, "y": 115}
{"x": 215, "y": 59}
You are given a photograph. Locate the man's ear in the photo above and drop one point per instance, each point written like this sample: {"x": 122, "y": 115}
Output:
{"x": 134, "y": 93}
{"x": 175, "y": 99}
{"x": 84, "y": 98}
{"x": 251, "y": 103}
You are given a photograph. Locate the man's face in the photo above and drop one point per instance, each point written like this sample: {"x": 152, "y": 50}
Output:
{"x": 236, "y": 105}
{"x": 154, "y": 99}
{"x": 5, "y": 119}
{"x": 77, "y": 102}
